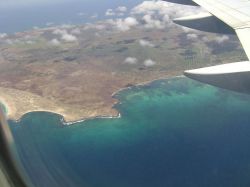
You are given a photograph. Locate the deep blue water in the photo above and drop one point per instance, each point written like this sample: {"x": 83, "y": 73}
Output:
{"x": 172, "y": 133}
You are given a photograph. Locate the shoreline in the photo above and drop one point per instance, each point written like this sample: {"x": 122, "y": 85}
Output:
{"x": 10, "y": 112}
{"x": 146, "y": 83}
{"x": 90, "y": 118}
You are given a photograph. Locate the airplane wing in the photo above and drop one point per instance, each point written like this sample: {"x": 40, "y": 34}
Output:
{"x": 227, "y": 14}
{"x": 235, "y": 13}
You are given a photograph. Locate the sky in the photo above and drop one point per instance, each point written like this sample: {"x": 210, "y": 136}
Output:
{"x": 123, "y": 15}
{"x": 35, "y": 3}
{"x": 30, "y": 3}
{"x": 19, "y": 15}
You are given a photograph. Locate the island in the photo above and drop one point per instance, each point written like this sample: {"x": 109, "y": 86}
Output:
{"x": 75, "y": 70}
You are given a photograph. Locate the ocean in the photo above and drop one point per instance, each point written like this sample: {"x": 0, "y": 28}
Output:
{"x": 22, "y": 18}
{"x": 172, "y": 133}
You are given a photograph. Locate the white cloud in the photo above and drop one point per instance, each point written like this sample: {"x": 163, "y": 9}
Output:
{"x": 69, "y": 38}
{"x": 187, "y": 30}
{"x": 192, "y": 36}
{"x": 121, "y": 26}
{"x": 205, "y": 39}
{"x": 221, "y": 39}
{"x": 158, "y": 14}
{"x": 3, "y": 35}
{"x": 152, "y": 23}
{"x": 65, "y": 35}
{"x": 121, "y": 9}
{"x": 130, "y": 60}
{"x": 55, "y": 42}
{"x": 164, "y": 8}
{"x": 124, "y": 24}
{"x": 109, "y": 12}
{"x": 149, "y": 63}
{"x": 59, "y": 31}
{"x": 75, "y": 31}
{"x": 149, "y": 7}
{"x": 98, "y": 26}
{"x": 145, "y": 43}
{"x": 166, "y": 18}
{"x": 130, "y": 21}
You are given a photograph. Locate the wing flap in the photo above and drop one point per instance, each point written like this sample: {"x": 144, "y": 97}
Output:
{"x": 205, "y": 22}
{"x": 234, "y": 13}
{"x": 184, "y": 2}
{"x": 232, "y": 76}
{"x": 244, "y": 36}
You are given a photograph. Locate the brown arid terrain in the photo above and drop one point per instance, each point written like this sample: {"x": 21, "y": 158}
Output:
{"x": 73, "y": 71}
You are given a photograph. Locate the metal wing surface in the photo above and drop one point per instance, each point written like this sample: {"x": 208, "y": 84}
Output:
{"x": 234, "y": 14}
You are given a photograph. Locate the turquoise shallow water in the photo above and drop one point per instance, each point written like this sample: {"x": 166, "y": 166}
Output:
{"x": 172, "y": 133}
